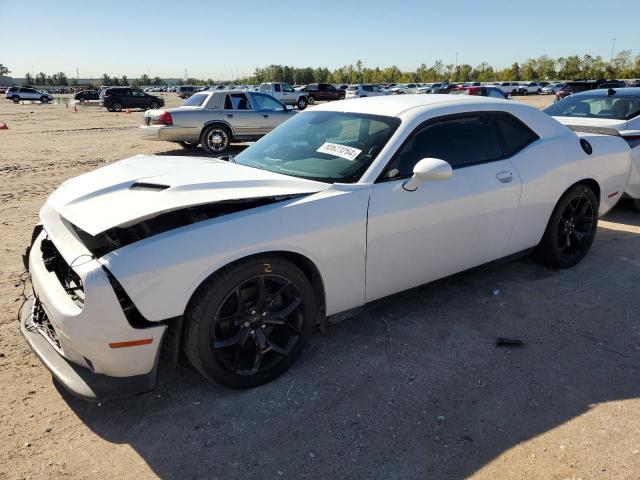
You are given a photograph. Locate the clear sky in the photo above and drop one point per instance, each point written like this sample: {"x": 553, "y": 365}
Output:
{"x": 218, "y": 39}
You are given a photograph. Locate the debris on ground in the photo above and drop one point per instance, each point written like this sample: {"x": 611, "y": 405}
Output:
{"x": 509, "y": 342}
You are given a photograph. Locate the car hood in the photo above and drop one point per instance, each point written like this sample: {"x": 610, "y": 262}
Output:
{"x": 144, "y": 186}
{"x": 594, "y": 122}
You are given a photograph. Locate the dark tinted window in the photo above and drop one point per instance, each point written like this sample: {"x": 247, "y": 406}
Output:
{"x": 312, "y": 86}
{"x": 276, "y": 87}
{"x": 515, "y": 134}
{"x": 460, "y": 141}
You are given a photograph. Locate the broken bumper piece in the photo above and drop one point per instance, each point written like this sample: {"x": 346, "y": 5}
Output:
{"x": 80, "y": 381}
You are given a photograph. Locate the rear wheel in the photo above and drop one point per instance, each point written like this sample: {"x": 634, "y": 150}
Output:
{"x": 154, "y": 105}
{"x": 215, "y": 139}
{"x": 15, "y": 99}
{"x": 311, "y": 100}
{"x": 44, "y": 99}
{"x": 116, "y": 107}
{"x": 249, "y": 324}
{"x": 571, "y": 228}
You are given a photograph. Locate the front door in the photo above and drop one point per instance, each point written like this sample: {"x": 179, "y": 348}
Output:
{"x": 445, "y": 226}
{"x": 272, "y": 113}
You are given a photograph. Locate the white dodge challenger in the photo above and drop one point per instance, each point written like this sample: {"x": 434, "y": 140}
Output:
{"x": 234, "y": 262}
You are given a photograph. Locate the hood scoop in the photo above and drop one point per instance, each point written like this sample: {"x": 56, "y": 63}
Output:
{"x": 151, "y": 187}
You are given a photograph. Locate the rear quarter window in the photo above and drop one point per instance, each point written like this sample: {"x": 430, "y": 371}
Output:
{"x": 514, "y": 134}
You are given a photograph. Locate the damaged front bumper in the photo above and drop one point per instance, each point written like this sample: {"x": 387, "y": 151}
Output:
{"x": 80, "y": 332}
{"x": 80, "y": 381}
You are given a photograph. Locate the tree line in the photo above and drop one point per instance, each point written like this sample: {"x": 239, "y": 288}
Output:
{"x": 622, "y": 65}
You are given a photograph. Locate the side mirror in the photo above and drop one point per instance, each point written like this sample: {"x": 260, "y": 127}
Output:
{"x": 428, "y": 169}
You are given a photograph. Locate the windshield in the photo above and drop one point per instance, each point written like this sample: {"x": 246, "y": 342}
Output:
{"x": 324, "y": 146}
{"x": 596, "y": 106}
{"x": 195, "y": 100}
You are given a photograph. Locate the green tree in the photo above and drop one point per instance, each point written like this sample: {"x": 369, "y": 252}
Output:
{"x": 41, "y": 79}
{"x": 622, "y": 64}
{"x": 106, "y": 80}
{"x": 125, "y": 80}
{"x": 28, "y": 79}
{"x": 4, "y": 70}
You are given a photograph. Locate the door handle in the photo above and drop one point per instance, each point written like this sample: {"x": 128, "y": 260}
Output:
{"x": 229, "y": 115}
{"x": 265, "y": 116}
{"x": 504, "y": 177}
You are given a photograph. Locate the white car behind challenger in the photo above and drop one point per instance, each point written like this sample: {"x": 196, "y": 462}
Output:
{"x": 235, "y": 262}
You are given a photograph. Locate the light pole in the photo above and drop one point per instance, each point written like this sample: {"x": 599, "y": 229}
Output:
{"x": 613, "y": 46}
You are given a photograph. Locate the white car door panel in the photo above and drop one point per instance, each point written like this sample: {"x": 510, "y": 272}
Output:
{"x": 443, "y": 227}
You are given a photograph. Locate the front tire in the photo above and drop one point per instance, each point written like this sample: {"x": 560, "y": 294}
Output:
{"x": 248, "y": 324}
{"x": 116, "y": 107}
{"x": 44, "y": 99}
{"x": 15, "y": 99}
{"x": 215, "y": 139}
{"x": 571, "y": 228}
{"x": 302, "y": 103}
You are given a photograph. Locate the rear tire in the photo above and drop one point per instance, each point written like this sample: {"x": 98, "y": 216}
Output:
{"x": 15, "y": 99}
{"x": 44, "y": 99}
{"x": 154, "y": 106}
{"x": 116, "y": 107}
{"x": 311, "y": 100}
{"x": 215, "y": 139}
{"x": 248, "y": 324}
{"x": 571, "y": 228}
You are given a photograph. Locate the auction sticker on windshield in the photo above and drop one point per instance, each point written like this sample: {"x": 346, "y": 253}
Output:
{"x": 342, "y": 151}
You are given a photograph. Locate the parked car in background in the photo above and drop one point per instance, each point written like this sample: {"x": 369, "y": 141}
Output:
{"x": 18, "y": 94}
{"x": 233, "y": 264}
{"x": 85, "y": 95}
{"x": 285, "y": 93}
{"x": 531, "y": 87}
{"x": 552, "y": 88}
{"x": 605, "y": 110}
{"x": 404, "y": 88}
{"x": 510, "y": 88}
{"x": 483, "y": 91}
{"x": 3, "y": 90}
{"x": 115, "y": 99}
{"x": 185, "y": 91}
{"x": 571, "y": 88}
{"x": 216, "y": 119}
{"x": 364, "y": 90}
{"x": 322, "y": 91}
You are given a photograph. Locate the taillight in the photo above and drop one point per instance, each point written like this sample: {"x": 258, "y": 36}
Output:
{"x": 163, "y": 119}
{"x": 632, "y": 140}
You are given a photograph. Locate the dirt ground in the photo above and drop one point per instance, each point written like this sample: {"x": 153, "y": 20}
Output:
{"x": 411, "y": 388}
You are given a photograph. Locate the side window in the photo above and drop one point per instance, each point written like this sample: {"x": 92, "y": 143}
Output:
{"x": 287, "y": 88}
{"x": 276, "y": 87}
{"x": 267, "y": 103}
{"x": 138, "y": 93}
{"x": 312, "y": 87}
{"x": 494, "y": 93}
{"x": 515, "y": 134}
{"x": 461, "y": 141}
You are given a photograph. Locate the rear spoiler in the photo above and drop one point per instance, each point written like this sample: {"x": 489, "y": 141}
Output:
{"x": 590, "y": 129}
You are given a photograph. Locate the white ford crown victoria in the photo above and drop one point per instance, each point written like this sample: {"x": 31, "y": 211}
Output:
{"x": 234, "y": 262}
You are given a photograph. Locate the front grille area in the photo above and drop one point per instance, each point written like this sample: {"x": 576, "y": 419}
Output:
{"x": 70, "y": 281}
{"x": 42, "y": 323}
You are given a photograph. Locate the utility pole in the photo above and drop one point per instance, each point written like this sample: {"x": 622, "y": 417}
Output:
{"x": 456, "y": 60}
{"x": 185, "y": 74}
{"x": 613, "y": 46}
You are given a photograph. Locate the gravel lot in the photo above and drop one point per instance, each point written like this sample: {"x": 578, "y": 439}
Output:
{"x": 412, "y": 388}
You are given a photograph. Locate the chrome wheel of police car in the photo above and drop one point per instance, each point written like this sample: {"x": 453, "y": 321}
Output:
{"x": 215, "y": 139}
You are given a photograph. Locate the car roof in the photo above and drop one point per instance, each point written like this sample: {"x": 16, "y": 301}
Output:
{"x": 604, "y": 92}
{"x": 393, "y": 105}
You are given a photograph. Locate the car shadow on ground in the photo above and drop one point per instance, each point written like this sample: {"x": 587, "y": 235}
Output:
{"x": 414, "y": 387}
